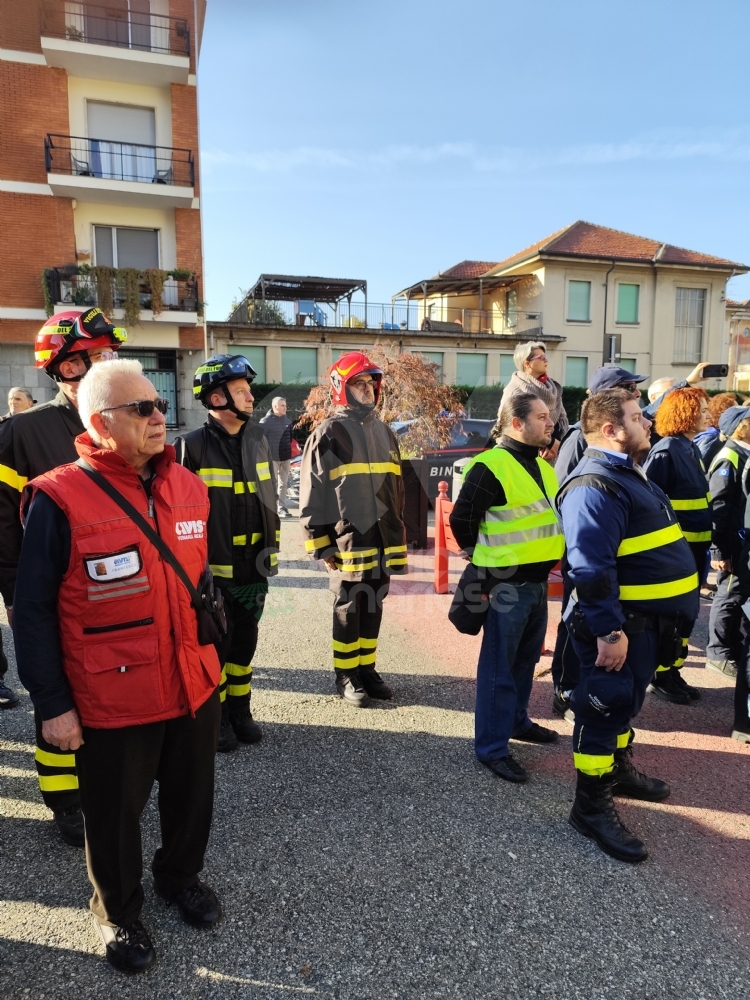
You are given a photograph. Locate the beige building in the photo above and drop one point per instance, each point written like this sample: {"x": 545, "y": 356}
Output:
{"x": 738, "y": 338}
{"x": 594, "y": 295}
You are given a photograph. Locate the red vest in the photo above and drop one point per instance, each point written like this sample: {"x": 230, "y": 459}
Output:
{"x": 127, "y": 627}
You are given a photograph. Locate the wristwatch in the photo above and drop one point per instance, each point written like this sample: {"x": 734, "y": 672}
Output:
{"x": 612, "y": 638}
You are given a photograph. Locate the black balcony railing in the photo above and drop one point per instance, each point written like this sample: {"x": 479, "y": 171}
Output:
{"x": 120, "y": 24}
{"x": 118, "y": 161}
{"x": 110, "y": 288}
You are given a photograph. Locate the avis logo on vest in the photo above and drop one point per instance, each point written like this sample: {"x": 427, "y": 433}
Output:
{"x": 188, "y": 530}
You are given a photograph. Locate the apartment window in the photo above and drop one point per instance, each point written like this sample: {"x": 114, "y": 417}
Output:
{"x": 579, "y": 301}
{"x": 507, "y": 367}
{"x": 116, "y": 246}
{"x": 122, "y": 141}
{"x": 160, "y": 367}
{"x": 576, "y": 371}
{"x": 257, "y": 358}
{"x": 628, "y": 364}
{"x": 471, "y": 369}
{"x": 690, "y": 310}
{"x": 299, "y": 364}
{"x": 627, "y": 303}
{"x": 435, "y": 358}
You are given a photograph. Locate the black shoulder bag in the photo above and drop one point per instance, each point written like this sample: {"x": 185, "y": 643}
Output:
{"x": 206, "y": 599}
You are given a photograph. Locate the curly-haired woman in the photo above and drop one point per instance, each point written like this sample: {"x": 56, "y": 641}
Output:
{"x": 675, "y": 465}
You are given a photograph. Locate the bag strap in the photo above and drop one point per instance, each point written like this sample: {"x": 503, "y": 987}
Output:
{"x": 141, "y": 522}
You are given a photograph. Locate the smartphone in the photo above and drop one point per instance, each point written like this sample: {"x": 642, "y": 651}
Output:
{"x": 715, "y": 371}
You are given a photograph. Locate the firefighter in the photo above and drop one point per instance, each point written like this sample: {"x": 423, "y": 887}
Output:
{"x": 727, "y": 483}
{"x": 351, "y": 512}
{"x": 635, "y": 584}
{"x": 232, "y": 458}
{"x": 32, "y": 443}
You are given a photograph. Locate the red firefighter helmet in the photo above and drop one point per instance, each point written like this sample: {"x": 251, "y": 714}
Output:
{"x": 75, "y": 330}
{"x": 348, "y": 367}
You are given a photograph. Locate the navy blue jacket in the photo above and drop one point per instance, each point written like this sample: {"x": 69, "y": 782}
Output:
{"x": 571, "y": 452}
{"x": 708, "y": 443}
{"x": 728, "y": 502}
{"x": 606, "y": 502}
{"x": 675, "y": 465}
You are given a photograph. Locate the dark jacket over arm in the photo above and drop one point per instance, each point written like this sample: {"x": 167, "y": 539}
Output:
{"x": 45, "y": 554}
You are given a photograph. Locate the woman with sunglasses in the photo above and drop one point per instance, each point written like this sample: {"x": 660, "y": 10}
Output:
{"x": 531, "y": 376}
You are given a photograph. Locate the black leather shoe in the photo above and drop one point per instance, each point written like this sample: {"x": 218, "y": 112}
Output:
{"x": 594, "y": 815}
{"x": 664, "y": 687}
{"x": 227, "y": 740}
{"x": 8, "y": 698}
{"x": 632, "y": 783}
{"x": 508, "y": 768}
{"x": 197, "y": 904}
{"x": 246, "y": 729}
{"x": 536, "y": 734}
{"x": 70, "y": 825}
{"x": 676, "y": 676}
{"x": 129, "y": 948}
{"x": 374, "y": 684}
{"x": 561, "y": 707}
{"x": 350, "y": 687}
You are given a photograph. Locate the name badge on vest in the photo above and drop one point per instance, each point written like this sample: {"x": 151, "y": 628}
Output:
{"x": 120, "y": 566}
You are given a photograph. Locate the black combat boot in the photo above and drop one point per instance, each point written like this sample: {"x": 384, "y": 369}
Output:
{"x": 227, "y": 739}
{"x": 664, "y": 686}
{"x": 350, "y": 687}
{"x": 692, "y": 692}
{"x": 246, "y": 729}
{"x": 594, "y": 815}
{"x": 374, "y": 684}
{"x": 70, "y": 825}
{"x": 632, "y": 783}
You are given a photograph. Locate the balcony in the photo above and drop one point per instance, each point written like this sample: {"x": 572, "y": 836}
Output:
{"x": 126, "y": 293}
{"x": 119, "y": 172}
{"x": 116, "y": 42}
{"x": 398, "y": 316}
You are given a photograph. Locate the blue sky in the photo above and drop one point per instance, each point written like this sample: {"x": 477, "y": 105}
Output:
{"x": 389, "y": 140}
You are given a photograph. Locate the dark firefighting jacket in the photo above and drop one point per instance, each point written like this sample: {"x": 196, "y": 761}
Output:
{"x": 205, "y": 452}
{"x": 352, "y": 495}
{"x": 31, "y": 443}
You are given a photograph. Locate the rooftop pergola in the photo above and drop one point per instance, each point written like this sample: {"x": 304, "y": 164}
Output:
{"x": 448, "y": 285}
{"x": 291, "y": 287}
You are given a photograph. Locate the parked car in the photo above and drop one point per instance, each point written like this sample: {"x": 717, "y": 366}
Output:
{"x": 469, "y": 437}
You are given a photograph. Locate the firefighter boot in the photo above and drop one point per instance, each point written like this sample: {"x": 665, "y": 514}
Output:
{"x": 246, "y": 729}
{"x": 374, "y": 684}
{"x": 632, "y": 783}
{"x": 350, "y": 687}
{"x": 594, "y": 815}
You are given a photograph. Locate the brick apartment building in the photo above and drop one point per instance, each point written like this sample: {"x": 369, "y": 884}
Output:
{"x": 100, "y": 181}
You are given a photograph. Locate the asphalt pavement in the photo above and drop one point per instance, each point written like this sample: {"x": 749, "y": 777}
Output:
{"x": 366, "y": 854}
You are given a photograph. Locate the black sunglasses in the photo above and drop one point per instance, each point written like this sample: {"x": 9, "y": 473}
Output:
{"x": 144, "y": 407}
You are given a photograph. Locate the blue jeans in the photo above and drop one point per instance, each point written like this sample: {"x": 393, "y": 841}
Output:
{"x": 511, "y": 646}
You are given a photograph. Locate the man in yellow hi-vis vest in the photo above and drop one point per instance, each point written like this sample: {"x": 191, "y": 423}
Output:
{"x": 504, "y": 520}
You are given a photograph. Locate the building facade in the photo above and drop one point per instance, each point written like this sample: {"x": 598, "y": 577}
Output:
{"x": 100, "y": 181}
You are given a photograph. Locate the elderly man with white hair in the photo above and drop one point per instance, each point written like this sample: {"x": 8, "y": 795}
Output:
{"x": 277, "y": 427}
{"x": 107, "y": 644}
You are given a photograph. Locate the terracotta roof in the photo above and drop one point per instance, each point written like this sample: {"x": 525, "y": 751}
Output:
{"x": 467, "y": 269}
{"x": 735, "y": 304}
{"x": 583, "y": 239}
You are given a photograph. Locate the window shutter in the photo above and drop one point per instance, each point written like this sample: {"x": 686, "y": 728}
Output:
{"x": 103, "y": 246}
{"x": 138, "y": 248}
{"x": 121, "y": 123}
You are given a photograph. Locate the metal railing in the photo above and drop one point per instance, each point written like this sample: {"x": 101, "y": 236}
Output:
{"x": 121, "y": 26}
{"x": 118, "y": 161}
{"x": 87, "y": 287}
{"x": 399, "y": 316}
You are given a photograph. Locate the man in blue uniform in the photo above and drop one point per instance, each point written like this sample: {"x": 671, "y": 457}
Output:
{"x": 635, "y": 582}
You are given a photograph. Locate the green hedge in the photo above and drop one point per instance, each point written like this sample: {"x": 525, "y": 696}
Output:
{"x": 483, "y": 401}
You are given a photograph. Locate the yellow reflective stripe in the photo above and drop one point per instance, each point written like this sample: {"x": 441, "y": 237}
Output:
{"x": 515, "y": 537}
{"x": 364, "y": 468}
{"x": 700, "y": 504}
{"x": 58, "y": 782}
{"x": 263, "y": 471}
{"x": 697, "y": 536}
{"x": 368, "y": 643}
{"x": 236, "y": 670}
{"x": 662, "y": 670}
{"x": 240, "y": 487}
{"x": 651, "y": 540}
{"x": 358, "y": 554}
{"x": 396, "y": 562}
{"x": 623, "y": 740}
{"x": 55, "y": 759}
{"x": 517, "y": 513}
{"x": 225, "y": 571}
{"x": 42, "y": 355}
{"x": 274, "y": 559}
{"x": 238, "y": 690}
{"x": 12, "y": 478}
{"x": 356, "y": 567}
{"x": 242, "y": 539}
{"x": 366, "y": 659}
{"x": 344, "y": 647}
{"x": 655, "y": 591}
{"x": 311, "y": 544}
{"x": 256, "y": 537}
{"x": 278, "y": 536}
{"x": 726, "y": 454}
{"x": 346, "y": 664}
{"x": 591, "y": 763}
{"x": 216, "y": 477}
{"x": 395, "y": 548}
